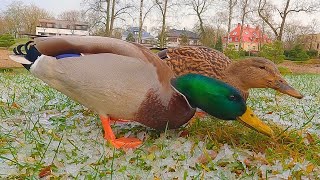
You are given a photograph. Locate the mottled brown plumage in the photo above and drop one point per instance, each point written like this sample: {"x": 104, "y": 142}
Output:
{"x": 201, "y": 60}
{"x": 253, "y": 72}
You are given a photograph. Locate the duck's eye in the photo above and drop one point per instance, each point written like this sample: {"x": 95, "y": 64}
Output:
{"x": 262, "y": 67}
{"x": 232, "y": 97}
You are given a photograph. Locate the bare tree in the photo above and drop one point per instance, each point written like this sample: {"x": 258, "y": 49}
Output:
{"x": 14, "y": 18}
{"x": 163, "y": 7}
{"x": 289, "y": 7}
{"x": 140, "y": 21}
{"x": 295, "y": 33}
{"x": 219, "y": 21}
{"x": 312, "y": 27}
{"x": 23, "y": 18}
{"x": 107, "y": 11}
{"x": 200, "y": 7}
{"x": 291, "y": 34}
{"x": 2, "y": 25}
{"x": 93, "y": 20}
{"x": 245, "y": 10}
{"x": 114, "y": 14}
{"x": 143, "y": 13}
{"x": 32, "y": 14}
{"x": 71, "y": 16}
{"x": 211, "y": 36}
{"x": 231, "y": 6}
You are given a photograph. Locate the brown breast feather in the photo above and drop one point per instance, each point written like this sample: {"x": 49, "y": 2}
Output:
{"x": 154, "y": 114}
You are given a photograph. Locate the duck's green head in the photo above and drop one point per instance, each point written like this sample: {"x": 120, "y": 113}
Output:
{"x": 219, "y": 100}
{"x": 211, "y": 95}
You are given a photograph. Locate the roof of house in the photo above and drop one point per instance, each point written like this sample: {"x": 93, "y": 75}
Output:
{"x": 178, "y": 33}
{"x": 249, "y": 34}
{"x": 64, "y": 22}
{"x": 134, "y": 31}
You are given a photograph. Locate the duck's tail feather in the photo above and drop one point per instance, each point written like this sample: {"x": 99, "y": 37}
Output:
{"x": 19, "y": 59}
{"x": 163, "y": 54}
{"x": 27, "y": 56}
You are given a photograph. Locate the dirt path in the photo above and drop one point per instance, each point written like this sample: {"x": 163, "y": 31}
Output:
{"x": 313, "y": 68}
{"x": 5, "y": 62}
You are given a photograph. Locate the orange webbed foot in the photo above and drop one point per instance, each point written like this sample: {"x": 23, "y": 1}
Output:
{"x": 126, "y": 143}
{"x": 121, "y": 142}
{"x": 200, "y": 114}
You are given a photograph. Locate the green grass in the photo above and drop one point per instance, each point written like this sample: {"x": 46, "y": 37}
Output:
{"x": 43, "y": 131}
{"x": 243, "y": 58}
{"x": 155, "y": 50}
{"x": 310, "y": 61}
{"x": 284, "y": 70}
{"x": 290, "y": 141}
{"x": 17, "y": 42}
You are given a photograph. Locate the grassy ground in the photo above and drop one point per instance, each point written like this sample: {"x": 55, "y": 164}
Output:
{"x": 45, "y": 134}
{"x": 17, "y": 42}
{"x": 310, "y": 61}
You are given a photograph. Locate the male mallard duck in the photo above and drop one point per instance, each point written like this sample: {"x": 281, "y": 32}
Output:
{"x": 255, "y": 72}
{"x": 121, "y": 80}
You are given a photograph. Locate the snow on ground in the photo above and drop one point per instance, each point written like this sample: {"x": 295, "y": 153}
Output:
{"x": 41, "y": 127}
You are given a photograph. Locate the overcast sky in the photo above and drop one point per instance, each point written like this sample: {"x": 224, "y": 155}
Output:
{"x": 55, "y": 6}
{"x": 58, "y": 6}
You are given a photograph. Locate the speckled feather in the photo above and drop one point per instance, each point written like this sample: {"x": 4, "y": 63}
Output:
{"x": 201, "y": 60}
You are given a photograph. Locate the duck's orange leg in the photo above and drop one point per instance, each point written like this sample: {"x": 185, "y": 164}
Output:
{"x": 121, "y": 142}
{"x": 198, "y": 114}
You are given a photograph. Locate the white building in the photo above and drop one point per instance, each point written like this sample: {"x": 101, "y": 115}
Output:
{"x": 52, "y": 27}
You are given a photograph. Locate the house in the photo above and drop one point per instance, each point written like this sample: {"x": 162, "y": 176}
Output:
{"x": 146, "y": 37}
{"x": 176, "y": 38}
{"x": 54, "y": 27}
{"x": 311, "y": 42}
{"x": 252, "y": 38}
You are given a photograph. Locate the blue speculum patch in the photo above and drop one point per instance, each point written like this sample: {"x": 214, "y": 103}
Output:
{"x": 67, "y": 55}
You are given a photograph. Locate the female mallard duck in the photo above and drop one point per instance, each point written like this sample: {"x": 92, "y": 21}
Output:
{"x": 255, "y": 72}
{"x": 121, "y": 80}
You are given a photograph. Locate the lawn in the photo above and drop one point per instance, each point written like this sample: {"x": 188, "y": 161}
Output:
{"x": 44, "y": 133}
{"x": 18, "y": 42}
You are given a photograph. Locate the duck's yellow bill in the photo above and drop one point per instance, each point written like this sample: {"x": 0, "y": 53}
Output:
{"x": 251, "y": 120}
